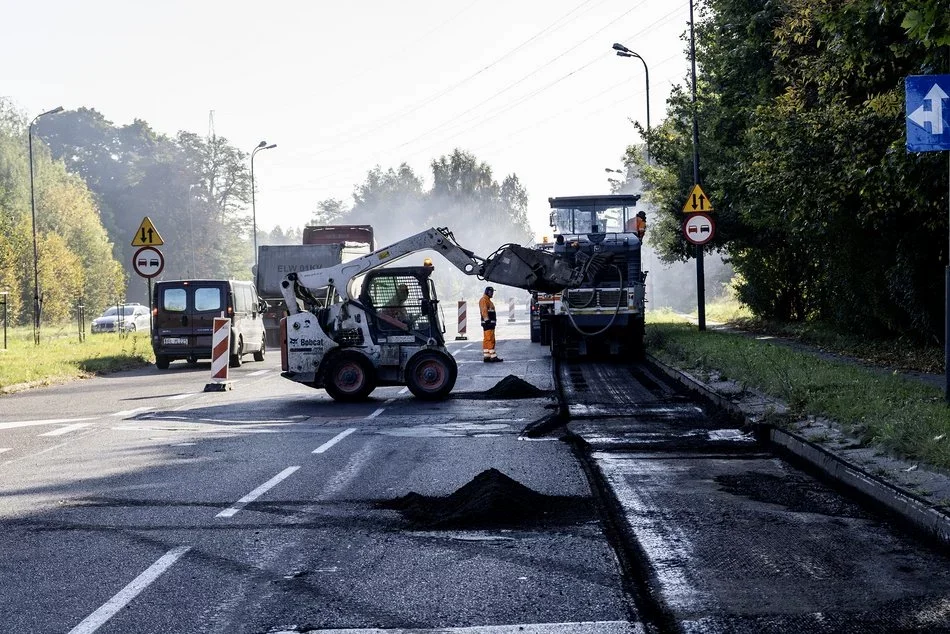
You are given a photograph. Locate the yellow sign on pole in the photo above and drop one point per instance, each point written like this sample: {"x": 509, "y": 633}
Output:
{"x": 697, "y": 201}
{"x": 147, "y": 235}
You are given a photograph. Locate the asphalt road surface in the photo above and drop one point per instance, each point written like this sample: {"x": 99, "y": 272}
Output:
{"x": 139, "y": 503}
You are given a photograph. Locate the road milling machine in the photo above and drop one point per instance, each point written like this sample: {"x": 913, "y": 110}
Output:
{"x": 361, "y": 324}
{"x": 601, "y": 313}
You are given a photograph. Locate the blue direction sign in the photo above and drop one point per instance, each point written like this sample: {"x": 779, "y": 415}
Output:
{"x": 928, "y": 112}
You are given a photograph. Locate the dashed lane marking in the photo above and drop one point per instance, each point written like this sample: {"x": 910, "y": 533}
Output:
{"x": 376, "y": 413}
{"x": 49, "y": 421}
{"x": 404, "y": 390}
{"x": 257, "y": 372}
{"x": 67, "y": 429}
{"x": 98, "y": 618}
{"x": 178, "y": 397}
{"x": 343, "y": 434}
{"x": 258, "y": 492}
{"x": 132, "y": 412}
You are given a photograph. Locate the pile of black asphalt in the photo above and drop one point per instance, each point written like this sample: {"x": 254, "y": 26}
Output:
{"x": 510, "y": 387}
{"x": 490, "y": 500}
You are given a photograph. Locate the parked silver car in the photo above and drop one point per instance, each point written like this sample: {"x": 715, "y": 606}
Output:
{"x": 124, "y": 318}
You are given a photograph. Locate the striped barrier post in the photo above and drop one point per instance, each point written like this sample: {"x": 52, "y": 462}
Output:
{"x": 511, "y": 310}
{"x": 220, "y": 355}
{"x": 463, "y": 319}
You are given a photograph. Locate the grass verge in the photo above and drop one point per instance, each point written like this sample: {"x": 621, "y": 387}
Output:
{"x": 896, "y": 414}
{"x": 62, "y": 357}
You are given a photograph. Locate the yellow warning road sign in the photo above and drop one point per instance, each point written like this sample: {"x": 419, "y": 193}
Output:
{"x": 147, "y": 235}
{"x": 697, "y": 201}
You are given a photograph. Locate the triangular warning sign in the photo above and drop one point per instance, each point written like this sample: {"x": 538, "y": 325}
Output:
{"x": 147, "y": 235}
{"x": 697, "y": 201}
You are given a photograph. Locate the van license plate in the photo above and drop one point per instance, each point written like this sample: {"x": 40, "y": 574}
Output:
{"x": 175, "y": 341}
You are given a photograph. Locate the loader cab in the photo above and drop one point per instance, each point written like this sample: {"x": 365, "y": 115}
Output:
{"x": 402, "y": 305}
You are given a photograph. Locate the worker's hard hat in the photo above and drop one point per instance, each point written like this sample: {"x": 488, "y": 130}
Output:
{"x": 489, "y": 289}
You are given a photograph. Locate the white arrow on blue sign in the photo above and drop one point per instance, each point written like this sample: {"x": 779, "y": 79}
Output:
{"x": 928, "y": 112}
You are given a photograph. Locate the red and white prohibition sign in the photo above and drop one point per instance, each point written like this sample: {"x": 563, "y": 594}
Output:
{"x": 699, "y": 228}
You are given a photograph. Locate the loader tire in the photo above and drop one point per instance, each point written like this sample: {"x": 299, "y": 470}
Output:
{"x": 430, "y": 375}
{"x": 349, "y": 377}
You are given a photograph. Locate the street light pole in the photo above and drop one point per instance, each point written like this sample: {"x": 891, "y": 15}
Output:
{"x": 700, "y": 272}
{"x": 36, "y": 259}
{"x": 623, "y": 51}
{"x": 260, "y": 146}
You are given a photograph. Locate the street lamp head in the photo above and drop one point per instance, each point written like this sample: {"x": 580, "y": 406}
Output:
{"x": 620, "y": 47}
{"x": 55, "y": 110}
{"x": 625, "y": 54}
{"x": 262, "y": 144}
{"x": 271, "y": 146}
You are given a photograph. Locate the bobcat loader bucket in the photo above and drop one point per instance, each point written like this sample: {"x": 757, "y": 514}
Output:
{"x": 531, "y": 269}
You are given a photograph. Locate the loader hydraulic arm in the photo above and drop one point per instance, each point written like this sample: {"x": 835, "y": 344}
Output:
{"x": 511, "y": 265}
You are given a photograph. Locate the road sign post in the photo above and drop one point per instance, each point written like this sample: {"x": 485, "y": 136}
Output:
{"x": 927, "y": 101}
{"x": 148, "y": 261}
{"x": 698, "y": 203}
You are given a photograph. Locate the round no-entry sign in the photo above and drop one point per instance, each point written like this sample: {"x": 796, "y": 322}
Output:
{"x": 699, "y": 228}
{"x": 148, "y": 262}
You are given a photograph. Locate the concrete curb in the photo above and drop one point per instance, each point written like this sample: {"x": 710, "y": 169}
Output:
{"x": 920, "y": 513}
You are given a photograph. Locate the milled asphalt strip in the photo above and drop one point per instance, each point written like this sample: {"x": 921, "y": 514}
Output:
{"x": 588, "y": 627}
{"x": 258, "y": 492}
{"x": 95, "y": 620}
{"x": 343, "y": 434}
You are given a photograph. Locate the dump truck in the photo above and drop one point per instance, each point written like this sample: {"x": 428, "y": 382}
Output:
{"x": 323, "y": 246}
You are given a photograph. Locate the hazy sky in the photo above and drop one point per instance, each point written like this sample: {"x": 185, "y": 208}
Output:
{"x": 532, "y": 88}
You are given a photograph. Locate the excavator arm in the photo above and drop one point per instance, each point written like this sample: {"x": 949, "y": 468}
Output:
{"x": 510, "y": 265}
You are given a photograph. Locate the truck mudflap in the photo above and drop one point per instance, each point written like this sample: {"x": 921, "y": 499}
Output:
{"x": 532, "y": 269}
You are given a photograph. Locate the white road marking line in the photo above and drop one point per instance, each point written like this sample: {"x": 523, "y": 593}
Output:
{"x": 132, "y": 412}
{"x": 178, "y": 397}
{"x": 468, "y": 345}
{"x": 343, "y": 434}
{"x": 2, "y": 449}
{"x": 404, "y": 390}
{"x": 376, "y": 413}
{"x": 388, "y": 401}
{"x": 33, "y": 455}
{"x": 457, "y": 352}
{"x": 49, "y": 421}
{"x": 95, "y": 620}
{"x": 65, "y": 430}
{"x": 258, "y": 492}
{"x": 257, "y": 372}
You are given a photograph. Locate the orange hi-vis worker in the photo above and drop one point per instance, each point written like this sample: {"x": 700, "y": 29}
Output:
{"x": 641, "y": 227}
{"x": 487, "y": 309}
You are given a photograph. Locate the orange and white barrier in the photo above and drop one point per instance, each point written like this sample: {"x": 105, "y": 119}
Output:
{"x": 511, "y": 310}
{"x": 463, "y": 321}
{"x": 220, "y": 355}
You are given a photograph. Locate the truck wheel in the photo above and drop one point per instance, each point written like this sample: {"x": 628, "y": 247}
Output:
{"x": 259, "y": 355}
{"x": 349, "y": 377}
{"x": 161, "y": 362}
{"x": 431, "y": 375}
{"x": 235, "y": 361}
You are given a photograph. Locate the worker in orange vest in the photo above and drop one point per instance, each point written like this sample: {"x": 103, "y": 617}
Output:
{"x": 487, "y": 309}
{"x": 641, "y": 224}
